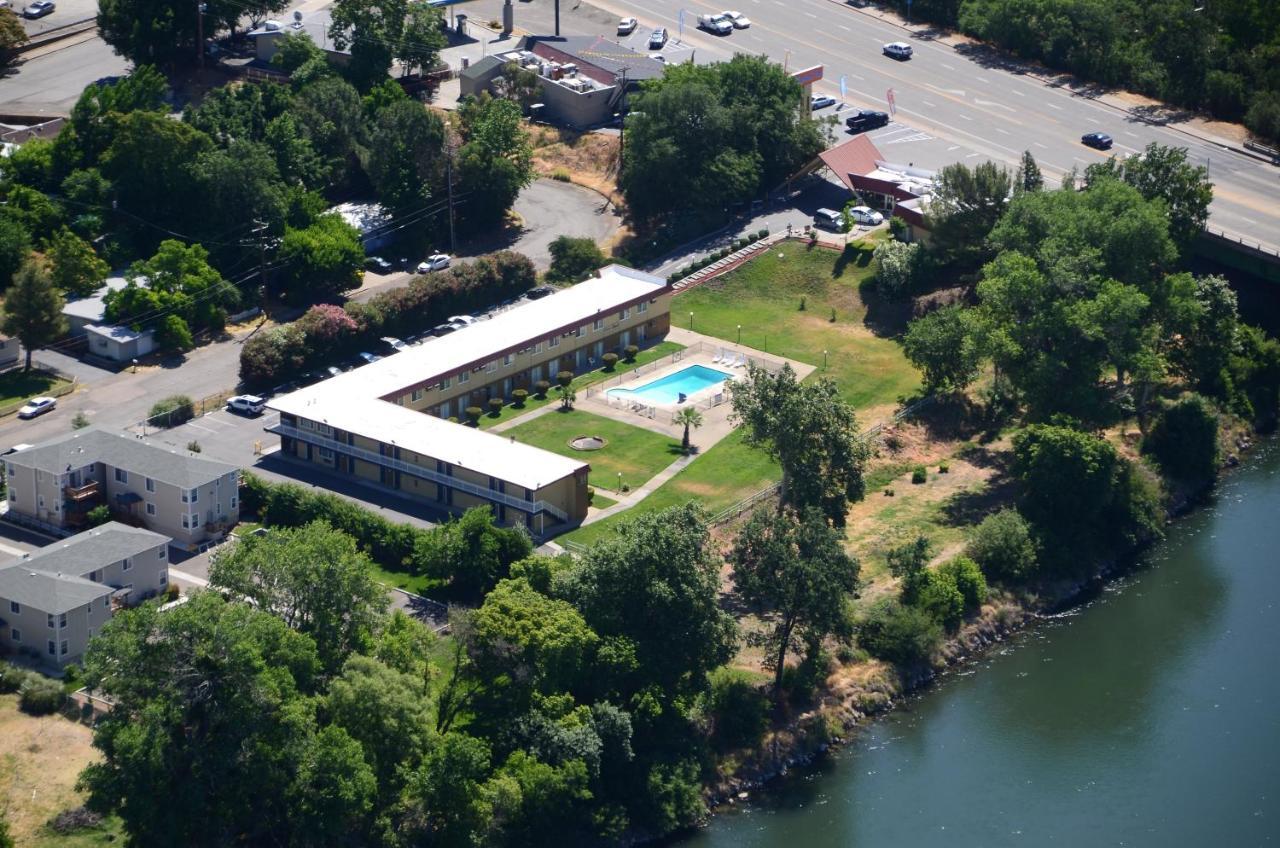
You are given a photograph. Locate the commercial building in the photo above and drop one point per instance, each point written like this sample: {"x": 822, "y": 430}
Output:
{"x": 182, "y": 495}
{"x": 584, "y": 80}
{"x": 903, "y": 191}
{"x": 388, "y": 423}
{"x": 54, "y": 600}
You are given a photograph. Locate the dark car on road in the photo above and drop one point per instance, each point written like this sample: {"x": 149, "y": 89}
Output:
{"x": 866, "y": 119}
{"x": 38, "y": 9}
{"x": 1101, "y": 141}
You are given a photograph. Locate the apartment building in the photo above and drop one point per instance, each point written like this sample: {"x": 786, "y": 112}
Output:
{"x": 54, "y": 600}
{"x": 387, "y": 423}
{"x": 182, "y": 495}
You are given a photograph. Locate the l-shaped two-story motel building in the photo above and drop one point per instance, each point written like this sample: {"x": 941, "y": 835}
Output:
{"x": 388, "y": 424}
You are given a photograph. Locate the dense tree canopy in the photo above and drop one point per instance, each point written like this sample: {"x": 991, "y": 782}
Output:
{"x": 731, "y": 130}
{"x": 495, "y": 161}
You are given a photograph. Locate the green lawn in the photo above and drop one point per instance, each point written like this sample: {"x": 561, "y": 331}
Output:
{"x": 418, "y": 584}
{"x": 580, "y": 382}
{"x": 635, "y": 452}
{"x": 18, "y": 386}
{"x": 764, "y": 296}
{"x": 726, "y": 474}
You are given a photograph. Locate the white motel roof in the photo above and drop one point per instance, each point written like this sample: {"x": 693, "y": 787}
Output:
{"x": 353, "y": 401}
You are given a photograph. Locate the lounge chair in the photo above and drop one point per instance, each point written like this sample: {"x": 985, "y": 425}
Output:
{"x": 716, "y": 360}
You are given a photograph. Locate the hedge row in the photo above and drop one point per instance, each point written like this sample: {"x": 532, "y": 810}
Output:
{"x": 716, "y": 256}
{"x": 327, "y": 334}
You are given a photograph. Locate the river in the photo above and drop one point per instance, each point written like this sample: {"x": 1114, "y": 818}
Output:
{"x": 1147, "y": 717}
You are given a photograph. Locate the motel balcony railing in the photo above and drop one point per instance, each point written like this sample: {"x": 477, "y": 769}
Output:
{"x": 313, "y": 438}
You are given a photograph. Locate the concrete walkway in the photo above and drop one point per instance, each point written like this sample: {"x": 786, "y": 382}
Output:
{"x": 634, "y": 497}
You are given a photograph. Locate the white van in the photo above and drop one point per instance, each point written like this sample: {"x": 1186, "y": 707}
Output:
{"x": 829, "y": 219}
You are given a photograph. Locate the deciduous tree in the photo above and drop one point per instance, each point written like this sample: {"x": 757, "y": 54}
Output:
{"x": 15, "y": 248}
{"x": 947, "y": 346}
{"x": 406, "y": 155}
{"x": 496, "y": 161}
{"x": 795, "y": 569}
{"x": 574, "y": 258}
{"x": 967, "y": 203}
{"x": 75, "y": 268}
{"x": 322, "y": 260}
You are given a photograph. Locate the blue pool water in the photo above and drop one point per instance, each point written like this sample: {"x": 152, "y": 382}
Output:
{"x": 667, "y": 391}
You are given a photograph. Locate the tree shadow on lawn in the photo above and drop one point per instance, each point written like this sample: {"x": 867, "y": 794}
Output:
{"x": 965, "y": 509}
{"x": 885, "y": 319}
{"x": 952, "y": 418}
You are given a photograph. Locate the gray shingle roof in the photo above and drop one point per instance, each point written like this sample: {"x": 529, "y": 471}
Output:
{"x": 179, "y": 468}
{"x": 47, "y": 591}
{"x": 93, "y": 549}
{"x": 479, "y": 68}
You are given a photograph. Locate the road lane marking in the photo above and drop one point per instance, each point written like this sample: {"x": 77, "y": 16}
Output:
{"x": 1039, "y": 145}
{"x": 1054, "y": 106}
{"x": 953, "y": 147}
{"x": 966, "y": 117}
{"x": 1131, "y": 135}
{"x": 1019, "y": 93}
{"x": 930, "y": 105}
{"x": 811, "y": 15}
{"x": 983, "y": 79}
{"x": 843, "y": 27}
{"x": 971, "y": 155}
{"x": 945, "y": 65}
{"x": 982, "y": 102}
{"x": 999, "y": 130}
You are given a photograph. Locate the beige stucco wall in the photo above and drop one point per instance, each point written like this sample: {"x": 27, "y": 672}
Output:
{"x": 82, "y": 624}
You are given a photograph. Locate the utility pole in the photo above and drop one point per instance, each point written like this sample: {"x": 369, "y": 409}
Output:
{"x": 557, "y": 18}
{"x": 199, "y": 34}
{"x": 448, "y": 177}
{"x": 260, "y": 230}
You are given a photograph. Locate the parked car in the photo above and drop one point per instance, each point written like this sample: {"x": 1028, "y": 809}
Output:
{"x": 866, "y": 215}
{"x": 460, "y": 321}
{"x": 1100, "y": 140}
{"x": 626, "y": 26}
{"x": 739, "y": 20}
{"x": 658, "y": 39}
{"x": 395, "y": 344}
{"x": 540, "y": 292}
{"x": 434, "y": 262}
{"x": 15, "y": 449}
{"x": 38, "y": 9}
{"x": 443, "y": 329}
{"x": 246, "y": 404}
{"x": 369, "y": 358}
{"x": 829, "y": 219}
{"x": 333, "y": 371}
{"x": 378, "y": 265}
{"x": 821, "y": 101}
{"x": 866, "y": 119}
{"x": 897, "y": 50}
{"x": 718, "y": 24}
{"x": 37, "y": 406}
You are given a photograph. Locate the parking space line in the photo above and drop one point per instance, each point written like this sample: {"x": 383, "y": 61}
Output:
{"x": 198, "y": 427}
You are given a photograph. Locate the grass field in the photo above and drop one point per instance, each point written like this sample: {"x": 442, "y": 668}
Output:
{"x": 579, "y": 383}
{"x": 764, "y": 296}
{"x": 636, "y": 453}
{"x": 18, "y": 385}
{"x": 720, "y": 478}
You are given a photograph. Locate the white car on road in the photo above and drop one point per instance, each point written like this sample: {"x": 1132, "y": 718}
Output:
{"x": 626, "y": 26}
{"x": 739, "y": 20}
{"x": 435, "y": 262}
{"x": 897, "y": 50}
{"x": 37, "y": 406}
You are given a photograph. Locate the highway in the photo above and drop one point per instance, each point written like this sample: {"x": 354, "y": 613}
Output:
{"x": 960, "y": 104}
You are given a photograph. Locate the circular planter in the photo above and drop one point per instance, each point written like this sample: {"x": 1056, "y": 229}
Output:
{"x": 587, "y": 443}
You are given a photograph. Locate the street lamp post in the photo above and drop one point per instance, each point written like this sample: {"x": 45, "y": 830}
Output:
{"x": 824, "y": 360}
{"x": 739, "y": 334}
{"x": 619, "y": 482}
{"x": 690, "y": 320}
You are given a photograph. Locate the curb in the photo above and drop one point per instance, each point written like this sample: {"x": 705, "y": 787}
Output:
{"x": 1036, "y": 74}
{"x": 56, "y": 34}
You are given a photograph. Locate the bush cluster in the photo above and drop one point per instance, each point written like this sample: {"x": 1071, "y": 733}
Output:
{"x": 327, "y": 333}
{"x": 716, "y": 256}
{"x": 37, "y": 694}
{"x": 172, "y": 411}
{"x": 1184, "y": 440}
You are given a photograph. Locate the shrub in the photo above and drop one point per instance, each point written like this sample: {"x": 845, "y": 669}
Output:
{"x": 968, "y": 579}
{"x": 905, "y": 636}
{"x": 172, "y": 592}
{"x": 193, "y": 447}
{"x": 40, "y": 696}
{"x": 629, "y": 353}
{"x": 1184, "y": 440}
{"x": 564, "y": 378}
{"x": 739, "y": 710}
{"x": 12, "y": 678}
{"x": 1003, "y": 547}
{"x": 899, "y": 267}
{"x": 919, "y": 475}
{"x": 610, "y": 361}
{"x": 574, "y": 259}
{"x": 591, "y": 494}
{"x": 98, "y": 516}
{"x": 763, "y": 233}
{"x": 172, "y": 411}
{"x": 518, "y": 398}
{"x": 560, "y": 175}
{"x": 944, "y": 467}
{"x": 79, "y": 421}
{"x": 541, "y": 388}
{"x": 473, "y": 414}
{"x": 897, "y": 228}
{"x": 938, "y": 595}
{"x": 495, "y": 406}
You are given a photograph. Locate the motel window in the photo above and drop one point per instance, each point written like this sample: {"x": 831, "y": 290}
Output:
{"x": 53, "y": 648}
{"x": 625, "y": 314}
{"x": 151, "y": 485}
{"x": 598, "y": 325}
{"x": 15, "y": 634}
{"x": 15, "y": 607}
{"x": 50, "y": 620}
{"x": 10, "y": 469}
{"x": 164, "y": 579}
{"x": 643, "y": 307}
{"x": 151, "y": 509}
{"x": 13, "y": 494}
{"x": 233, "y": 501}
{"x": 417, "y": 394}
{"x": 444, "y": 384}
{"x": 554, "y": 341}
{"x": 160, "y": 553}
{"x": 106, "y": 602}
{"x": 324, "y": 429}
{"x": 490, "y": 367}
{"x": 508, "y": 359}
{"x": 326, "y": 454}
{"x": 62, "y": 621}
{"x": 464, "y": 377}
{"x": 191, "y": 496}
{"x": 537, "y": 347}
{"x": 122, "y": 476}
{"x": 62, "y": 648}
{"x": 126, "y": 565}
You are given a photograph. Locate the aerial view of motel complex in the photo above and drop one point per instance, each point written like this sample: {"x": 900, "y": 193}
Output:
{"x": 467, "y": 422}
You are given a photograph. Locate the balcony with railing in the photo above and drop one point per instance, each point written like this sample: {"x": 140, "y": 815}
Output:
{"x": 77, "y": 494}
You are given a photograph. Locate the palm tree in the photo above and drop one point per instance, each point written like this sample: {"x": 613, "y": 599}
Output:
{"x": 689, "y": 417}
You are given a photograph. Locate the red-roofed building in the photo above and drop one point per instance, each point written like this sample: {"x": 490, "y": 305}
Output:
{"x": 901, "y": 190}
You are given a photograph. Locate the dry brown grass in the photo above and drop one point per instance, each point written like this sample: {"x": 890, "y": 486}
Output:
{"x": 590, "y": 160}
{"x": 40, "y": 759}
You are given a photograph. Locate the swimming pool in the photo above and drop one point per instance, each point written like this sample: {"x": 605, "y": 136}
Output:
{"x": 667, "y": 390}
